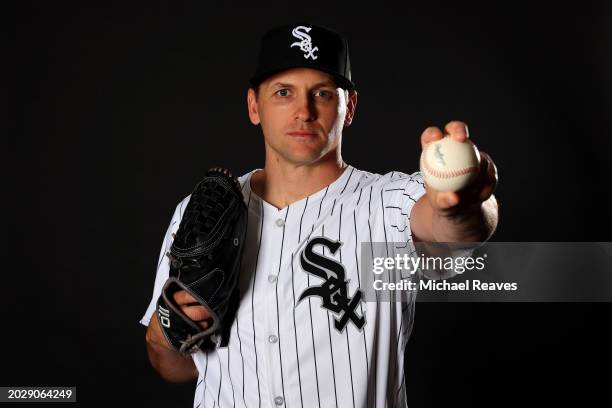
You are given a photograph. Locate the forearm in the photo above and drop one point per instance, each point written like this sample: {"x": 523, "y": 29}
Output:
{"x": 475, "y": 224}
{"x": 459, "y": 225}
{"x": 169, "y": 363}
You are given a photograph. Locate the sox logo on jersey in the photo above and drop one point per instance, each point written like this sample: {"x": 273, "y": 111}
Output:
{"x": 305, "y": 42}
{"x": 333, "y": 291}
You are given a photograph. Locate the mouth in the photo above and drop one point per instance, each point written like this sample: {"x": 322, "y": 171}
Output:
{"x": 302, "y": 133}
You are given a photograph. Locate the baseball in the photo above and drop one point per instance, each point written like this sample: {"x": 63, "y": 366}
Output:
{"x": 448, "y": 165}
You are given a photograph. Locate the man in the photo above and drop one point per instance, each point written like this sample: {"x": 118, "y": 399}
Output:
{"x": 292, "y": 343}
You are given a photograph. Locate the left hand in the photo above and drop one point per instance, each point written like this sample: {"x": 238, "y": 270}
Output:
{"x": 451, "y": 204}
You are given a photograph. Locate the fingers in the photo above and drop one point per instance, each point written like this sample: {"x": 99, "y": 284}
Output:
{"x": 490, "y": 177}
{"x": 445, "y": 200}
{"x": 192, "y": 308}
{"x": 485, "y": 184}
{"x": 479, "y": 191}
{"x": 431, "y": 134}
{"x": 182, "y": 297}
{"x": 198, "y": 314}
{"x": 456, "y": 129}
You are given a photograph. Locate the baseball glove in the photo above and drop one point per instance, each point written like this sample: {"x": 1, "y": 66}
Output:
{"x": 205, "y": 261}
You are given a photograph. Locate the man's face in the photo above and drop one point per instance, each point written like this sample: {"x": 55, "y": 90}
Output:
{"x": 302, "y": 113}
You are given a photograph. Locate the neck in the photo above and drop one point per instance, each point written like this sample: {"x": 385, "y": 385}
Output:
{"x": 281, "y": 183}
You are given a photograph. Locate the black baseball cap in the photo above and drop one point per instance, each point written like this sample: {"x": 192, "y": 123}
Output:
{"x": 303, "y": 45}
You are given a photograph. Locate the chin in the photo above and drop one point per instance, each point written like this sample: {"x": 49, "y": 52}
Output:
{"x": 303, "y": 153}
{"x": 303, "y": 159}
{"x": 303, "y": 156}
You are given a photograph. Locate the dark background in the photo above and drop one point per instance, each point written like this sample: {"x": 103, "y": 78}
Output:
{"x": 116, "y": 111}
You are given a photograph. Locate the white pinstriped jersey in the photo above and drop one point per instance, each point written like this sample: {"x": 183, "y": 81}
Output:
{"x": 291, "y": 345}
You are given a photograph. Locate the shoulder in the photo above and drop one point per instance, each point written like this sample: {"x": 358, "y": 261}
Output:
{"x": 390, "y": 181}
{"x": 245, "y": 179}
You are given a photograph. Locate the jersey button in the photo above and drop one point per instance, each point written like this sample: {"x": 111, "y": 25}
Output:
{"x": 280, "y": 222}
{"x": 271, "y": 278}
{"x": 272, "y": 338}
{"x": 279, "y": 400}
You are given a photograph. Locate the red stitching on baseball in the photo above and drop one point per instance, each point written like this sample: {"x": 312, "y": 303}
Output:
{"x": 448, "y": 173}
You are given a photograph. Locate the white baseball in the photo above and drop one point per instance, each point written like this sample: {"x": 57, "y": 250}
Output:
{"x": 448, "y": 165}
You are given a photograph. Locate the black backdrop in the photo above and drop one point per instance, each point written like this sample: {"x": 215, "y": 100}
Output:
{"x": 115, "y": 111}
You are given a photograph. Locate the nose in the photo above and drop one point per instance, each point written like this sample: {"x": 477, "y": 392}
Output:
{"x": 305, "y": 109}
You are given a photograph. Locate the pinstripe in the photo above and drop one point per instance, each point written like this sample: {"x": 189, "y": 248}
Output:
{"x": 241, "y": 355}
{"x": 318, "y": 216}
{"x": 347, "y": 180}
{"x": 365, "y": 345}
{"x": 393, "y": 356}
{"x": 400, "y": 345}
{"x": 331, "y": 348}
{"x": 302, "y": 219}
{"x": 297, "y": 354}
{"x": 237, "y": 312}
{"x": 220, "y": 379}
{"x": 410, "y": 197}
{"x": 253, "y": 304}
{"x": 310, "y": 310}
{"x": 411, "y": 307}
{"x": 321, "y": 203}
{"x": 314, "y": 349}
{"x": 205, "y": 382}
{"x": 198, "y": 386}
{"x": 229, "y": 373}
{"x": 374, "y": 344}
{"x": 348, "y": 344}
{"x": 391, "y": 384}
{"x": 280, "y": 262}
{"x": 402, "y": 386}
{"x": 331, "y": 352}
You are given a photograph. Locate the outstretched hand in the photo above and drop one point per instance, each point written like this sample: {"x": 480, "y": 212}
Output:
{"x": 457, "y": 203}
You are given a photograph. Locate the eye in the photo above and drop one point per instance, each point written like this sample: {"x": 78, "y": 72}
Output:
{"x": 282, "y": 92}
{"x": 323, "y": 93}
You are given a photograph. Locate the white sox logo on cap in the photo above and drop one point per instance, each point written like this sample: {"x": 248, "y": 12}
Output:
{"x": 305, "y": 42}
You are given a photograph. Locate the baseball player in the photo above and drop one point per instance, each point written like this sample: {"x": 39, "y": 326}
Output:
{"x": 303, "y": 334}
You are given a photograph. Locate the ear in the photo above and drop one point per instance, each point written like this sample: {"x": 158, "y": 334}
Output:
{"x": 351, "y": 105}
{"x": 252, "y": 107}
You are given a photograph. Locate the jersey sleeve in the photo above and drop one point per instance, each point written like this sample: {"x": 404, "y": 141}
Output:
{"x": 400, "y": 192}
{"x": 163, "y": 263}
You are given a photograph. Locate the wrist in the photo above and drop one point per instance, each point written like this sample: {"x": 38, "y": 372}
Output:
{"x": 465, "y": 223}
{"x": 155, "y": 336}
